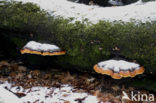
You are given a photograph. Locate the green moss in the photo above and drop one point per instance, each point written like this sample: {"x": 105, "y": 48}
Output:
{"x": 147, "y": 0}
{"x": 18, "y": 41}
{"x": 146, "y": 83}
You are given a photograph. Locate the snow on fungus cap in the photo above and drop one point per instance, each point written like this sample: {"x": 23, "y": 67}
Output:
{"x": 43, "y": 49}
{"x": 118, "y": 68}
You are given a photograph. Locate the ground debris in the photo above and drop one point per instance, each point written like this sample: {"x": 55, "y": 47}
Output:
{"x": 61, "y": 85}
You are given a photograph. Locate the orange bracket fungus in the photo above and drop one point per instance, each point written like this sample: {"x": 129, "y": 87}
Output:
{"x": 33, "y": 47}
{"x": 118, "y": 68}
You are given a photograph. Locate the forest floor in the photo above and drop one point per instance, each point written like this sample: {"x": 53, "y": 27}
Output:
{"x": 60, "y": 86}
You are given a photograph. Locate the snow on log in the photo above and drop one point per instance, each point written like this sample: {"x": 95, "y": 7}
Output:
{"x": 138, "y": 11}
{"x": 118, "y": 68}
{"x": 44, "y": 49}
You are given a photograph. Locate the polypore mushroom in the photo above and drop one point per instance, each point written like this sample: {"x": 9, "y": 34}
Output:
{"x": 44, "y": 49}
{"x": 118, "y": 68}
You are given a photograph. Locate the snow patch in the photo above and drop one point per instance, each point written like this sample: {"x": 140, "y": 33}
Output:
{"x": 45, "y": 94}
{"x": 7, "y": 97}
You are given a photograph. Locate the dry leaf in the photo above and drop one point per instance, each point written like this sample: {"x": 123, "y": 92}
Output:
{"x": 66, "y": 102}
{"x": 22, "y": 69}
{"x": 116, "y": 88}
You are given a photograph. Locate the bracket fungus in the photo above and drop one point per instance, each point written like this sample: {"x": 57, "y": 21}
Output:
{"x": 44, "y": 49}
{"x": 118, "y": 68}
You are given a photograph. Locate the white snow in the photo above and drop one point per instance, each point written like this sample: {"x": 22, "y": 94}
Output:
{"x": 7, "y": 97}
{"x": 117, "y": 65}
{"x": 46, "y": 95}
{"x": 41, "y": 47}
{"x": 138, "y": 11}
